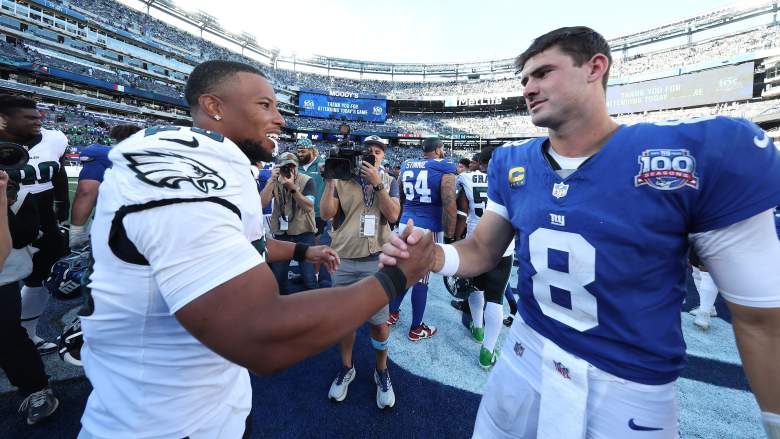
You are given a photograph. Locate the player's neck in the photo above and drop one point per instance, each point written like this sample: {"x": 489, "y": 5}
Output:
{"x": 5, "y": 135}
{"x": 582, "y": 137}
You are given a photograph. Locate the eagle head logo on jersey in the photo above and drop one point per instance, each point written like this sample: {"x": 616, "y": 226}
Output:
{"x": 170, "y": 170}
{"x": 667, "y": 169}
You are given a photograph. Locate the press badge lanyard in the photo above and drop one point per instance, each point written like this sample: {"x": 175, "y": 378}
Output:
{"x": 367, "y": 220}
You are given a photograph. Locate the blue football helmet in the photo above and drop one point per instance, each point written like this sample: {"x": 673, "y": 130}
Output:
{"x": 65, "y": 279}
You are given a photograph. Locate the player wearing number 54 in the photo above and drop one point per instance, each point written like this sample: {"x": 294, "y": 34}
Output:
{"x": 604, "y": 216}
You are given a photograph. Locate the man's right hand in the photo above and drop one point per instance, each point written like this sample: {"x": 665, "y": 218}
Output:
{"x": 417, "y": 254}
{"x": 275, "y": 173}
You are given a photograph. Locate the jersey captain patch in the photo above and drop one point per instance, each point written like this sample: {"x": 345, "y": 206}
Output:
{"x": 170, "y": 170}
{"x": 667, "y": 169}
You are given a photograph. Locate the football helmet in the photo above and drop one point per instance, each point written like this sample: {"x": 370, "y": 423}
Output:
{"x": 65, "y": 280}
{"x": 459, "y": 287}
{"x": 69, "y": 343}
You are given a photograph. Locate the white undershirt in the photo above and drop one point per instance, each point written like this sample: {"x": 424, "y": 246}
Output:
{"x": 567, "y": 164}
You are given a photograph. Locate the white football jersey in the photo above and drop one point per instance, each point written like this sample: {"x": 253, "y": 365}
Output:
{"x": 37, "y": 174}
{"x": 177, "y": 215}
{"x": 474, "y": 185}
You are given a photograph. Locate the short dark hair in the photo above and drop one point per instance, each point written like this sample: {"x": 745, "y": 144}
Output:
{"x": 475, "y": 158}
{"x": 208, "y": 74}
{"x": 432, "y": 144}
{"x": 486, "y": 154}
{"x": 465, "y": 162}
{"x": 10, "y": 103}
{"x": 579, "y": 42}
{"x": 123, "y": 131}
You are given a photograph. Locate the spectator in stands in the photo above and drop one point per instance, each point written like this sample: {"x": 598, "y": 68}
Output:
{"x": 19, "y": 357}
{"x": 292, "y": 217}
{"x": 363, "y": 207}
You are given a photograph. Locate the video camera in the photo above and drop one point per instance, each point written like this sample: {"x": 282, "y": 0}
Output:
{"x": 344, "y": 161}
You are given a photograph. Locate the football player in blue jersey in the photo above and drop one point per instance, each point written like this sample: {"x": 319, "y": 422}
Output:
{"x": 428, "y": 198}
{"x": 95, "y": 162}
{"x": 604, "y": 216}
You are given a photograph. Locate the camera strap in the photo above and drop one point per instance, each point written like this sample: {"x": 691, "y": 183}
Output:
{"x": 368, "y": 193}
{"x": 281, "y": 199}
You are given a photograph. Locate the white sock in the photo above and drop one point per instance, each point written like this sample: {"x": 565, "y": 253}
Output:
{"x": 494, "y": 316}
{"x": 708, "y": 292}
{"x": 696, "y": 274}
{"x": 34, "y": 300}
{"x": 476, "y": 304}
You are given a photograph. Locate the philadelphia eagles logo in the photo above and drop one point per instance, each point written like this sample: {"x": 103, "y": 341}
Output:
{"x": 170, "y": 170}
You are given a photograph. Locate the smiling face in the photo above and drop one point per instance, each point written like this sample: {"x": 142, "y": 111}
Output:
{"x": 248, "y": 115}
{"x": 556, "y": 90}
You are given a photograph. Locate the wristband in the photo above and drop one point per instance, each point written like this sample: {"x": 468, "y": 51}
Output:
{"x": 299, "y": 254}
{"x": 393, "y": 280}
{"x": 451, "y": 260}
{"x": 771, "y": 424}
{"x": 449, "y": 239}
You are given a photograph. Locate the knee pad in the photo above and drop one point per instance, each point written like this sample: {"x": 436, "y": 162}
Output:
{"x": 380, "y": 345}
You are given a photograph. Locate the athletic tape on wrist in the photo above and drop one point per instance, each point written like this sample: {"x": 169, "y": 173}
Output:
{"x": 393, "y": 280}
{"x": 299, "y": 254}
{"x": 451, "y": 260}
{"x": 771, "y": 424}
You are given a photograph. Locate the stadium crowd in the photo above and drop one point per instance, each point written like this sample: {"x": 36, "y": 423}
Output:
{"x": 195, "y": 49}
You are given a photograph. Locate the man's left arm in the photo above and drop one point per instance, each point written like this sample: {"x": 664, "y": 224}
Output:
{"x": 387, "y": 197}
{"x": 449, "y": 211}
{"x": 742, "y": 259}
{"x": 316, "y": 254}
{"x": 61, "y": 202}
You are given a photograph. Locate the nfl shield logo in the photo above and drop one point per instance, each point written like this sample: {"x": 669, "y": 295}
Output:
{"x": 560, "y": 190}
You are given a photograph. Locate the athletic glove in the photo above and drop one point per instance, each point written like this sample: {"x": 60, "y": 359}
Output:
{"x": 62, "y": 210}
{"x": 78, "y": 237}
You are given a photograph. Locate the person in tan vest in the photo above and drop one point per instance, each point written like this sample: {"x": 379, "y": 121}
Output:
{"x": 363, "y": 208}
{"x": 292, "y": 217}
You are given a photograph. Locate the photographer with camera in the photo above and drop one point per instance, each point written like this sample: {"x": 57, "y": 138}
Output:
{"x": 362, "y": 202}
{"x": 19, "y": 357}
{"x": 292, "y": 217}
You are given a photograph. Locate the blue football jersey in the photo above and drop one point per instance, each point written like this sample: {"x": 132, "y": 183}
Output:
{"x": 420, "y": 180}
{"x": 602, "y": 253}
{"x": 262, "y": 179}
{"x": 95, "y": 161}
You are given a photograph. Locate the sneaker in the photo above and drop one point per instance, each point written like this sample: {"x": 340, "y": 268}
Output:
{"x": 486, "y": 358}
{"x": 695, "y": 312}
{"x": 39, "y": 405}
{"x": 421, "y": 331}
{"x": 385, "y": 397}
{"x": 508, "y": 321}
{"x": 461, "y": 305}
{"x": 702, "y": 320}
{"x": 44, "y": 347}
{"x": 393, "y": 319}
{"x": 338, "y": 390}
{"x": 478, "y": 334}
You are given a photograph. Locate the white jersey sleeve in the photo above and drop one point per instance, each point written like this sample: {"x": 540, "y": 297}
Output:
{"x": 742, "y": 259}
{"x": 187, "y": 262}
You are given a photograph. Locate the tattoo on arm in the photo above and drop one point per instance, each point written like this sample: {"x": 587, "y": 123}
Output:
{"x": 449, "y": 209}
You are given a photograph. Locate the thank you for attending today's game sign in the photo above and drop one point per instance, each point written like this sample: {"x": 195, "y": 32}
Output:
{"x": 342, "y": 105}
{"x": 723, "y": 84}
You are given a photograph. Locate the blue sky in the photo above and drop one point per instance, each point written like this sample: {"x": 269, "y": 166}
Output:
{"x": 434, "y": 30}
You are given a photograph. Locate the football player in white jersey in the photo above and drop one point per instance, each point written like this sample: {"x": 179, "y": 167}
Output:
{"x": 44, "y": 178}
{"x": 485, "y": 327}
{"x": 183, "y": 301}
{"x": 604, "y": 216}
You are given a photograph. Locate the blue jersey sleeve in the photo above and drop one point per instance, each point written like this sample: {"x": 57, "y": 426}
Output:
{"x": 93, "y": 170}
{"x": 445, "y": 166}
{"x": 496, "y": 177}
{"x": 741, "y": 177}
